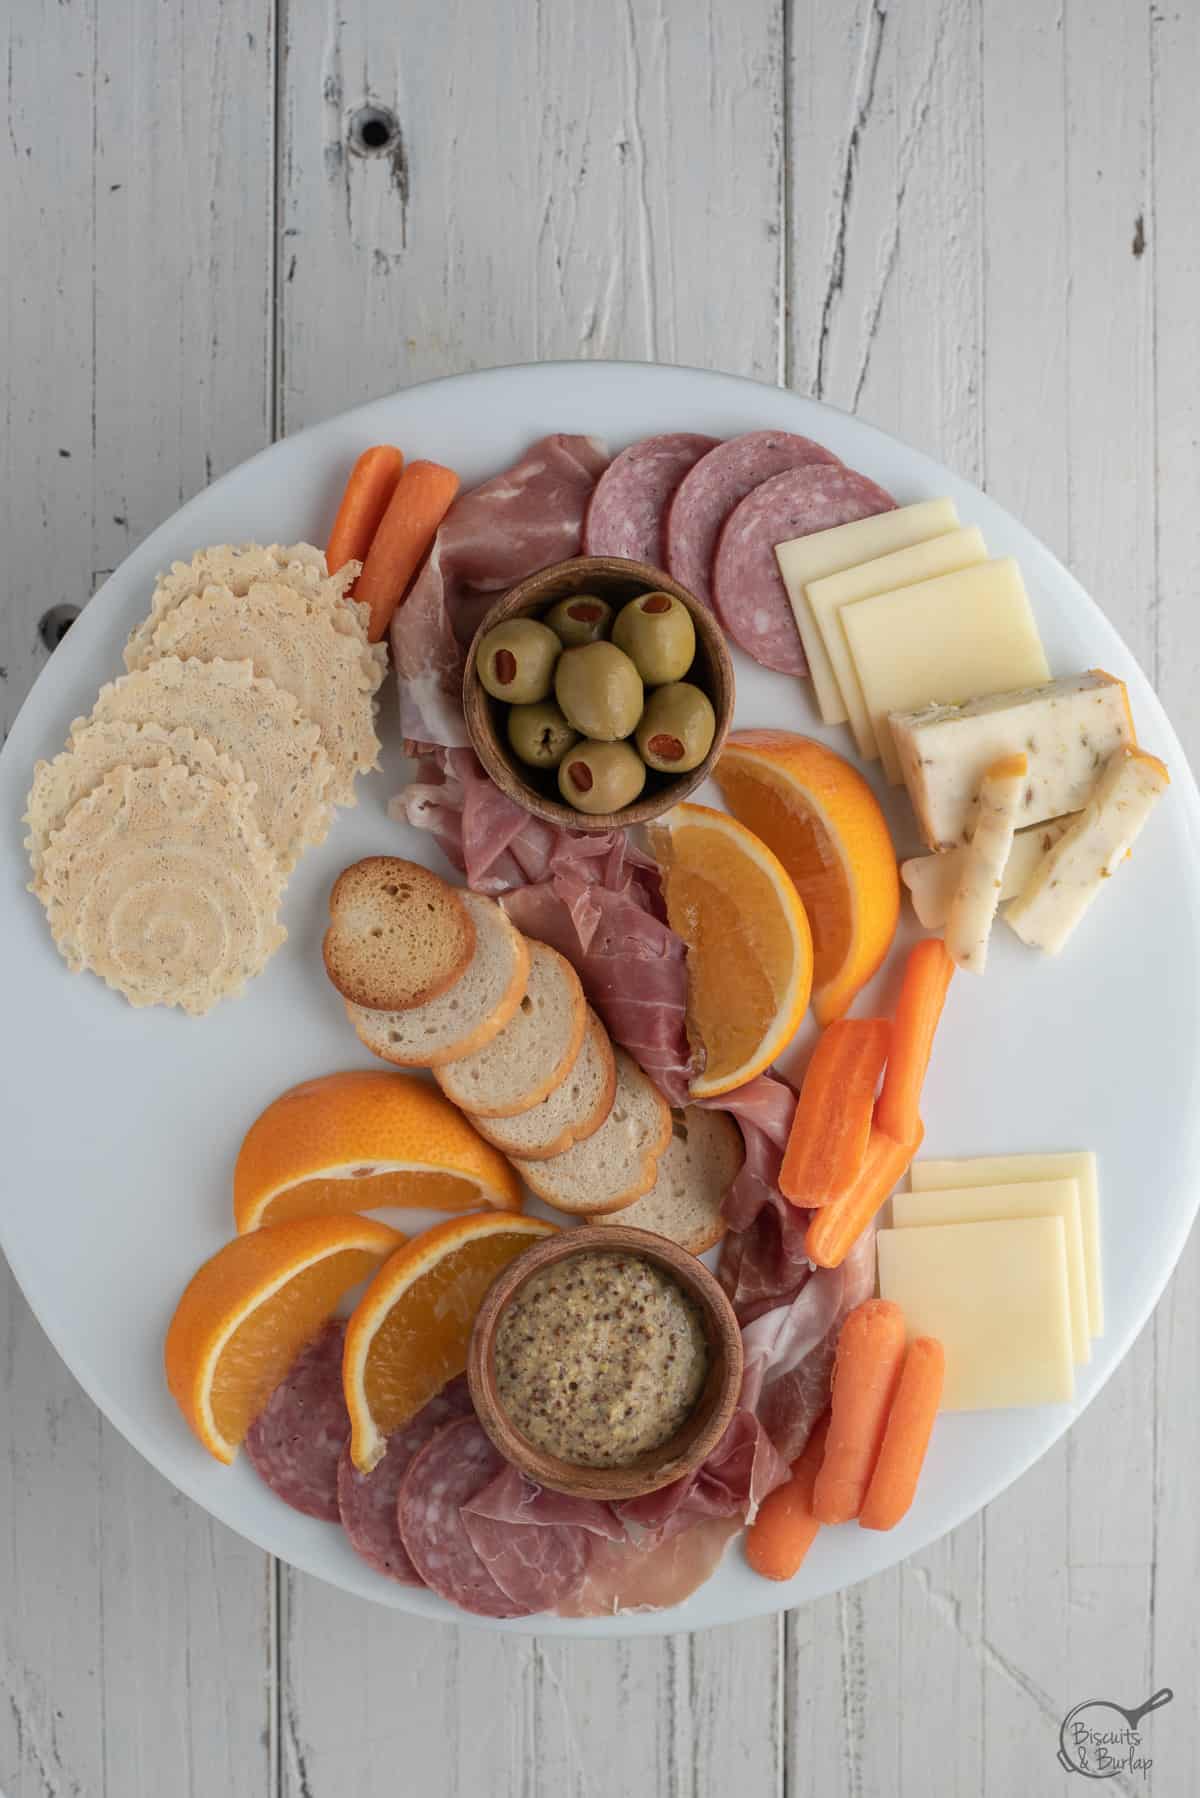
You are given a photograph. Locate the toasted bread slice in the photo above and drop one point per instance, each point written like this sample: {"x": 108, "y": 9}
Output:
{"x": 703, "y": 1159}
{"x": 619, "y": 1162}
{"x": 571, "y": 1113}
{"x": 534, "y": 1051}
{"x": 467, "y": 1015}
{"x": 399, "y": 936}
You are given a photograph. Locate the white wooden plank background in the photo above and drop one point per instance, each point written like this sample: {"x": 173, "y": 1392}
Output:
{"x": 973, "y": 221}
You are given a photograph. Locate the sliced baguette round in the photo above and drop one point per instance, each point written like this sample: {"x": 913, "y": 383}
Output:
{"x": 466, "y": 1017}
{"x": 534, "y": 1051}
{"x": 575, "y": 1109}
{"x": 702, "y": 1160}
{"x": 399, "y": 936}
{"x": 618, "y": 1163}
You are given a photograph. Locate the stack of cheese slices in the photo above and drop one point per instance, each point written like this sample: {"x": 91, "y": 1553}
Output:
{"x": 161, "y": 837}
{"x": 436, "y": 976}
{"x": 1026, "y": 789}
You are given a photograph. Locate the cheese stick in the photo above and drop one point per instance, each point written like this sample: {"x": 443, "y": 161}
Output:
{"x": 973, "y": 907}
{"x": 1071, "y": 873}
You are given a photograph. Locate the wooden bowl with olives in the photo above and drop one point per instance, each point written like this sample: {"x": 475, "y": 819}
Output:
{"x": 634, "y": 1309}
{"x": 598, "y": 693}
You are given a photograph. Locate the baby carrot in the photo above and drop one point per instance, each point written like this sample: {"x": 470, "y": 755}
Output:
{"x": 371, "y": 485}
{"x": 922, "y": 995}
{"x": 835, "y": 1229}
{"x": 906, "y": 1438}
{"x": 869, "y": 1353}
{"x": 785, "y": 1528}
{"x": 832, "y": 1123}
{"x": 421, "y": 500}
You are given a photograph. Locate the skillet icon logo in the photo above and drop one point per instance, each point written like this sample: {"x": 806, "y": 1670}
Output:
{"x": 1101, "y": 1739}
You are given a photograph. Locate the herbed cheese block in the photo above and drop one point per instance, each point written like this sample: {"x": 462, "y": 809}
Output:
{"x": 1067, "y": 728}
{"x": 991, "y": 1204}
{"x": 998, "y": 1170}
{"x": 1071, "y": 873}
{"x": 996, "y": 1297}
{"x": 886, "y": 574}
{"x": 973, "y": 908}
{"x": 822, "y": 553}
{"x": 932, "y": 879}
{"x": 948, "y": 641}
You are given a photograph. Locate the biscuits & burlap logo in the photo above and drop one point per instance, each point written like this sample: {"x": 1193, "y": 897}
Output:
{"x": 1101, "y": 1739}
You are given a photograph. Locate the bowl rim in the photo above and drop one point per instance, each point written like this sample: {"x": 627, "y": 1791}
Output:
{"x": 527, "y": 593}
{"x": 659, "y": 1467}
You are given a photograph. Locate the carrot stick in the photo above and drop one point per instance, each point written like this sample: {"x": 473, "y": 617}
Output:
{"x": 785, "y": 1528}
{"x": 922, "y": 995}
{"x": 832, "y": 1123}
{"x": 421, "y": 500}
{"x": 906, "y": 1438}
{"x": 836, "y": 1228}
{"x": 371, "y": 485}
{"x": 870, "y": 1351}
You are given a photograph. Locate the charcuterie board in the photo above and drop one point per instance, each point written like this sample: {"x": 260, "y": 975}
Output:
{"x": 120, "y": 1125}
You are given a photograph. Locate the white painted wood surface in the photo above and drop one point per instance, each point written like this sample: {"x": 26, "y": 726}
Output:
{"x": 973, "y": 221}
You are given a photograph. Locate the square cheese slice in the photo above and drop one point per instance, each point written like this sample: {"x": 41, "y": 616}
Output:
{"x": 945, "y": 640}
{"x": 903, "y": 568}
{"x": 1068, "y": 729}
{"x": 991, "y": 1204}
{"x": 997, "y": 1170}
{"x": 932, "y": 879}
{"x": 806, "y": 559}
{"x": 996, "y": 1297}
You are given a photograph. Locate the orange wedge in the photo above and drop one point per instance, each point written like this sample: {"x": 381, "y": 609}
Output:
{"x": 247, "y": 1313}
{"x": 410, "y": 1331}
{"x": 362, "y": 1140}
{"x": 749, "y": 947}
{"x": 824, "y": 823}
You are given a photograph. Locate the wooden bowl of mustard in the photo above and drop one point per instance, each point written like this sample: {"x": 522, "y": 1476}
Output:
{"x": 614, "y": 581}
{"x": 605, "y": 1363}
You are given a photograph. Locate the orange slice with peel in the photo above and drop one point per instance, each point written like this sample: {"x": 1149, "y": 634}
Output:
{"x": 749, "y": 945}
{"x": 410, "y": 1330}
{"x": 824, "y": 823}
{"x": 361, "y": 1140}
{"x": 247, "y": 1313}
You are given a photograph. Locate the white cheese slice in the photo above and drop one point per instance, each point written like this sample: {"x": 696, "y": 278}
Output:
{"x": 989, "y": 1204}
{"x": 1073, "y": 870}
{"x": 996, "y": 1297}
{"x": 932, "y": 879}
{"x": 973, "y": 908}
{"x": 998, "y": 1170}
{"x": 811, "y": 558}
{"x": 946, "y": 640}
{"x": 1068, "y": 729}
{"x": 903, "y": 568}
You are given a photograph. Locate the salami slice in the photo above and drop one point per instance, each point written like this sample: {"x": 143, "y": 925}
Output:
{"x": 627, "y": 509}
{"x": 748, "y": 591}
{"x": 536, "y": 1544}
{"x": 708, "y": 493}
{"x": 296, "y": 1441}
{"x": 447, "y": 1473}
{"x": 367, "y": 1501}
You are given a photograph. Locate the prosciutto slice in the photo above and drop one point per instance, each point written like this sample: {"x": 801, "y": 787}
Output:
{"x": 653, "y": 1573}
{"x": 521, "y": 520}
{"x": 733, "y": 1482}
{"x": 535, "y": 1543}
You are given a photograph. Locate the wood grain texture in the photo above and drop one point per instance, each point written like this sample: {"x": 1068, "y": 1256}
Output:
{"x": 973, "y": 222}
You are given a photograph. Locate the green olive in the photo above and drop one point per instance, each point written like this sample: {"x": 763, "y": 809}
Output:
{"x": 583, "y": 618}
{"x": 601, "y": 777}
{"x": 539, "y": 734}
{"x": 657, "y": 634}
{"x": 515, "y": 661}
{"x": 599, "y": 690}
{"x": 676, "y": 729}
